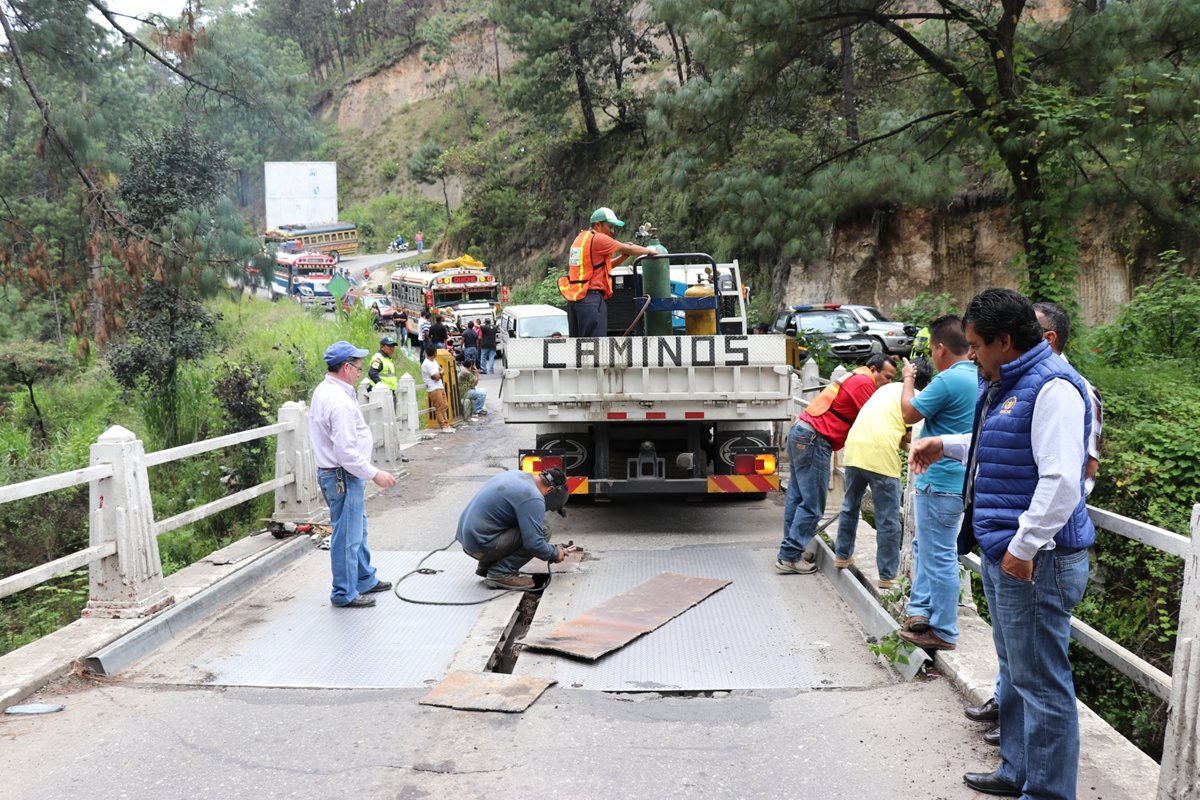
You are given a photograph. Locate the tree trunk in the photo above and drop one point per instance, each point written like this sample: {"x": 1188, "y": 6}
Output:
{"x": 585, "y": 94}
{"x": 849, "y": 96}
{"x": 678, "y": 56}
{"x": 496, "y": 49}
{"x": 446, "y": 198}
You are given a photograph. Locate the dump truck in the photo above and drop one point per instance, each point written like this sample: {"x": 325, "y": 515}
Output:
{"x": 647, "y": 409}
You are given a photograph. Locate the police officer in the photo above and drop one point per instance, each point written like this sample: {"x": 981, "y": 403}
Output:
{"x": 383, "y": 368}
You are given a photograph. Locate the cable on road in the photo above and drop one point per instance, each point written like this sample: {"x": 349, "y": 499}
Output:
{"x": 422, "y": 570}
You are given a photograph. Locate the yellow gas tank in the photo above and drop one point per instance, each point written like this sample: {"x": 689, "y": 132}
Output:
{"x": 701, "y": 323}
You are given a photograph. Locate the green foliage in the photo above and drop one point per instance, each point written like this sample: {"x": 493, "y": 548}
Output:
{"x": 892, "y": 648}
{"x": 544, "y": 291}
{"x": 169, "y": 172}
{"x": 28, "y": 364}
{"x": 389, "y": 169}
{"x": 1162, "y": 321}
{"x": 382, "y": 217}
{"x": 925, "y": 308}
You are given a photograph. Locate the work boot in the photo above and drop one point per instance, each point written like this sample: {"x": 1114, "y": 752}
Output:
{"x": 926, "y": 640}
{"x": 805, "y": 566}
{"x": 843, "y": 563}
{"x": 359, "y": 601}
{"x": 514, "y": 581}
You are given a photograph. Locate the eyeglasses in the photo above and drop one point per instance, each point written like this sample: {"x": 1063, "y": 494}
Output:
{"x": 355, "y": 367}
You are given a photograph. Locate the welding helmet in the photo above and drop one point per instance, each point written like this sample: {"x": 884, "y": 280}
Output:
{"x": 558, "y": 494}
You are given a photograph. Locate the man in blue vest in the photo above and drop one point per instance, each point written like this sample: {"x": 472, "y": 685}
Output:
{"x": 1026, "y": 461}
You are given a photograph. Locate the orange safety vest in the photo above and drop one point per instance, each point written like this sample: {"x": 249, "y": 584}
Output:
{"x": 581, "y": 266}
{"x": 823, "y": 402}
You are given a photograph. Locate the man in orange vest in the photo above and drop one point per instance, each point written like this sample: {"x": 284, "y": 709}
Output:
{"x": 588, "y": 282}
{"x": 820, "y": 430}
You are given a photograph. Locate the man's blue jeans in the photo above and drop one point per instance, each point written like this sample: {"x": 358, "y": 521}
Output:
{"x": 935, "y": 588}
{"x": 588, "y": 316}
{"x": 1031, "y": 626}
{"x": 487, "y": 359}
{"x": 506, "y": 556}
{"x": 478, "y": 397}
{"x": 809, "y": 456}
{"x": 885, "y": 494}
{"x": 349, "y": 557}
{"x": 471, "y": 355}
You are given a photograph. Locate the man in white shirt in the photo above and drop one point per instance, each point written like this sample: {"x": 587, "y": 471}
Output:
{"x": 1026, "y": 509}
{"x": 431, "y": 372}
{"x": 342, "y": 447}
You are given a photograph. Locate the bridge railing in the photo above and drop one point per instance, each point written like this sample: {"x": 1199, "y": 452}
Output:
{"x": 125, "y": 567}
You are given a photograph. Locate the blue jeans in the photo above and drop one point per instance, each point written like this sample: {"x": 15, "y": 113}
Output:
{"x": 471, "y": 354}
{"x": 487, "y": 359}
{"x": 477, "y": 396}
{"x": 1031, "y": 626}
{"x": 809, "y": 456}
{"x": 589, "y": 316}
{"x": 506, "y": 556}
{"x": 885, "y": 493}
{"x": 935, "y": 549}
{"x": 349, "y": 557}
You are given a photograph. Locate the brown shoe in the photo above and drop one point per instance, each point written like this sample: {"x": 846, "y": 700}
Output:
{"x": 916, "y": 624}
{"x": 843, "y": 563}
{"x": 885, "y": 583}
{"x": 514, "y": 581}
{"x": 926, "y": 640}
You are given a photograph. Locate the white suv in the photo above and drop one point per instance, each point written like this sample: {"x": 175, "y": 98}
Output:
{"x": 896, "y": 338}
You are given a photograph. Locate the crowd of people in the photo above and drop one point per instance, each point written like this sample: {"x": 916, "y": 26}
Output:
{"x": 1007, "y": 451}
{"x": 1003, "y": 439}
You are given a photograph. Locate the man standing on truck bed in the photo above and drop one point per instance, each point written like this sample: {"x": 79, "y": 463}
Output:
{"x": 588, "y": 282}
{"x": 820, "y": 430}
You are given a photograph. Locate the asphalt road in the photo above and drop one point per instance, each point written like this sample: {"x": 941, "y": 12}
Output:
{"x": 131, "y": 738}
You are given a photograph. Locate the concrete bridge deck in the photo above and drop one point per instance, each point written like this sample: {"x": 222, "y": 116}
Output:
{"x": 767, "y": 691}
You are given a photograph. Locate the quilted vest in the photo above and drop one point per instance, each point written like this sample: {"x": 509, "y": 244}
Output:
{"x": 1006, "y": 474}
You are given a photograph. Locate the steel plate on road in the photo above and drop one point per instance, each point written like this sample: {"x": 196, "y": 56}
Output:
{"x": 624, "y": 617}
{"x": 486, "y": 691}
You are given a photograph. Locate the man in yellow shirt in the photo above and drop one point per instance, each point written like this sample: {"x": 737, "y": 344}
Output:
{"x": 872, "y": 459}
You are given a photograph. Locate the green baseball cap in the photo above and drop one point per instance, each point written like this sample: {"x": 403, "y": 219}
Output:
{"x": 605, "y": 214}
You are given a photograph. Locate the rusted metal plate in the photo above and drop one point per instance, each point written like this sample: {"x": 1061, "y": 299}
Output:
{"x": 486, "y": 691}
{"x": 624, "y": 617}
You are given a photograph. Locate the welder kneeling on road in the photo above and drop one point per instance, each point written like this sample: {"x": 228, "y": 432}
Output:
{"x": 502, "y": 527}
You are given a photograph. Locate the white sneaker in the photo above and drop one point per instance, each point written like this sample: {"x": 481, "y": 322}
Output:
{"x": 805, "y": 566}
{"x": 446, "y": 430}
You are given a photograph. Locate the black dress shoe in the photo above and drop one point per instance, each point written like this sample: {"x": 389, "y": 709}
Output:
{"x": 359, "y": 601}
{"x": 382, "y": 586}
{"x": 988, "y": 712}
{"x": 989, "y": 783}
{"x": 992, "y": 736}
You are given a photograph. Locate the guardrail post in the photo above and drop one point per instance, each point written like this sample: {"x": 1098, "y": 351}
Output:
{"x": 299, "y": 501}
{"x": 1179, "y": 776}
{"x": 129, "y": 583}
{"x": 387, "y": 439}
{"x": 406, "y": 404}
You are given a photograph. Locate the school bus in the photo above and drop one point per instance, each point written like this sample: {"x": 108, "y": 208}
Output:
{"x": 335, "y": 239}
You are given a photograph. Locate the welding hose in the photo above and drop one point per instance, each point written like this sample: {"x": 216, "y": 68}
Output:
{"x": 422, "y": 570}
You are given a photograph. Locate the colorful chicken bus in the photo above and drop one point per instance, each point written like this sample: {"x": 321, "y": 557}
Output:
{"x": 335, "y": 239}
{"x": 304, "y": 277}
{"x": 445, "y": 287}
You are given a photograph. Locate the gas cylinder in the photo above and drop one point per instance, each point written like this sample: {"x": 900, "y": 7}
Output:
{"x": 701, "y": 323}
{"x": 656, "y": 279}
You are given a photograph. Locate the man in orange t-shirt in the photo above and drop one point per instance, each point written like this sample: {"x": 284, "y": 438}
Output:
{"x": 588, "y": 315}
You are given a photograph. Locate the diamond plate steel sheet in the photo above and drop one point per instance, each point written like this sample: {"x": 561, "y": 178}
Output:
{"x": 763, "y": 631}
{"x": 620, "y": 619}
{"x": 284, "y": 638}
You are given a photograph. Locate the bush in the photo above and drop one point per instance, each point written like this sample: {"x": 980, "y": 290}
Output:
{"x": 1162, "y": 320}
{"x": 389, "y": 169}
{"x": 925, "y": 308}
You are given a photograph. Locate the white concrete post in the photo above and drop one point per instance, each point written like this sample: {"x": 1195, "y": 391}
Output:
{"x": 130, "y": 583}
{"x": 1179, "y": 776}
{"x": 810, "y": 379}
{"x": 387, "y": 439}
{"x": 408, "y": 397}
{"x": 301, "y": 500}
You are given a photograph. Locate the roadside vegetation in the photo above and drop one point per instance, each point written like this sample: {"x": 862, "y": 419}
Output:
{"x": 133, "y": 165}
